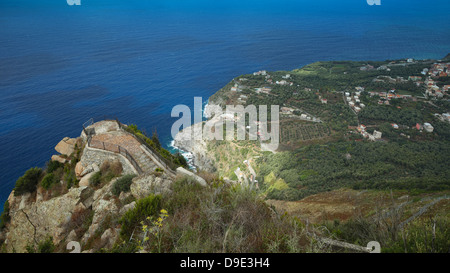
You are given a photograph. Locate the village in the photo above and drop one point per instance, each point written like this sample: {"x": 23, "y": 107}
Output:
{"x": 360, "y": 97}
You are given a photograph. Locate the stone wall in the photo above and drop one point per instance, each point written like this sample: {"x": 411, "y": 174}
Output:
{"x": 95, "y": 156}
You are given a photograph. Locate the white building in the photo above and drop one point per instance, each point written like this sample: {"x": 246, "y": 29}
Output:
{"x": 428, "y": 127}
{"x": 376, "y": 134}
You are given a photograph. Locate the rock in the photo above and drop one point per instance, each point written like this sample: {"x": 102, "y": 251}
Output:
{"x": 102, "y": 208}
{"x": 59, "y": 159}
{"x": 183, "y": 171}
{"x": 72, "y": 236}
{"x": 109, "y": 237}
{"x": 66, "y": 146}
{"x": 142, "y": 186}
{"x": 87, "y": 197}
{"x": 95, "y": 167}
{"x": 124, "y": 195}
{"x": 126, "y": 208}
{"x": 189, "y": 140}
{"x": 50, "y": 217}
{"x": 79, "y": 169}
{"x": 24, "y": 202}
{"x": 84, "y": 182}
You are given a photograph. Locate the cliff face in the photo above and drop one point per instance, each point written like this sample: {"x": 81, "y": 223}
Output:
{"x": 191, "y": 140}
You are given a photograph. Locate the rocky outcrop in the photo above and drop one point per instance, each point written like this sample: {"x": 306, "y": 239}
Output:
{"x": 83, "y": 214}
{"x": 32, "y": 222}
{"x": 190, "y": 139}
{"x": 67, "y": 145}
{"x": 182, "y": 171}
{"x": 143, "y": 185}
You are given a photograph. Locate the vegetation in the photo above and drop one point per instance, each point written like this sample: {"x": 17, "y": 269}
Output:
{"x": 4, "y": 217}
{"x": 45, "y": 246}
{"x": 108, "y": 171}
{"x": 48, "y": 180}
{"x": 28, "y": 182}
{"x": 144, "y": 208}
{"x": 216, "y": 218}
{"x": 122, "y": 184}
{"x": 318, "y": 168}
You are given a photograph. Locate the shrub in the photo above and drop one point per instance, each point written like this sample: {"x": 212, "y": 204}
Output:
{"x": 48, "y": 180}
{"x": 5, "y": 218}
{"x": 45, "y": 246}
{"x": 95, "y": 179}
{"x": 113, "y": 167}
{"x": 28, "y": 182}
{"x": 53, "y": 165}
{"x": 70, "y": 178}
{"x": 122, "y": 184}
{"x": 144, "y": 208}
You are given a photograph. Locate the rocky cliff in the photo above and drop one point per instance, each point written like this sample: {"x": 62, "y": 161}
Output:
{"x": 82, "y": 212}
{"x": 191, "y": 140}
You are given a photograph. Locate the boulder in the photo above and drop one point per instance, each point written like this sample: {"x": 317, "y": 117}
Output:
{"x": 59, "y": 159}
{"x": 66, "y": 146}
{"x": 85, "y": 180}
{"x": 79, "y": 169}
{"x": 72, "y": 236}
{"x": 127, "y": 208}
{"x": 142, "y": 186}
{"x": 109, "y": 237}
{"x": 198, "y": 179}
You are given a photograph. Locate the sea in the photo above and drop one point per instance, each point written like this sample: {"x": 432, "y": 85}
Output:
{"x": 134, "y": 60}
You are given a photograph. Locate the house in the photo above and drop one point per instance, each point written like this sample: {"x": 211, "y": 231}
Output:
{"x": 414, "y": 78}
{"x": 410, "y": 60}
{"x": 446, "y": 116}
{"x": 357, "y": 109}
{"x": 262, "y": 72}
{"x": 351, "y": 103}
{"x": 428, "y": 127}
{"x": 394, "y": 125}
{"x": 362, "y": 105}
{"x": 376, "y": 134}
{"x": 347, "y": 94}
{"x": 418, "y": 126}
{"x": 324, "y": 101}
{"x": 361, "y": 128}
{"x": 366, "y": 68}
{"x": 234, "y": 89}
{"x": 349, "y": 99}
{"x": 287, "y": 110}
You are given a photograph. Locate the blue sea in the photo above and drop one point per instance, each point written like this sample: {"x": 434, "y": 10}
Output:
{"x": 134, "y": 60}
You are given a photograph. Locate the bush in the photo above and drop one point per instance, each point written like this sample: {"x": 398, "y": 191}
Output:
{"x": 122, "y": 184}
{"x": 70, "y": 178}
{"x": 45, "y": 246}
{"x": 5, "y": 218}
{"x": 53, "y": 165}
{"x": 28, "y": 182}
{"x": 95, "y": 179}
{"x": 113, "y": 167}
{"x": 145, "y": 207}
{"x": 48, "y": 180}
